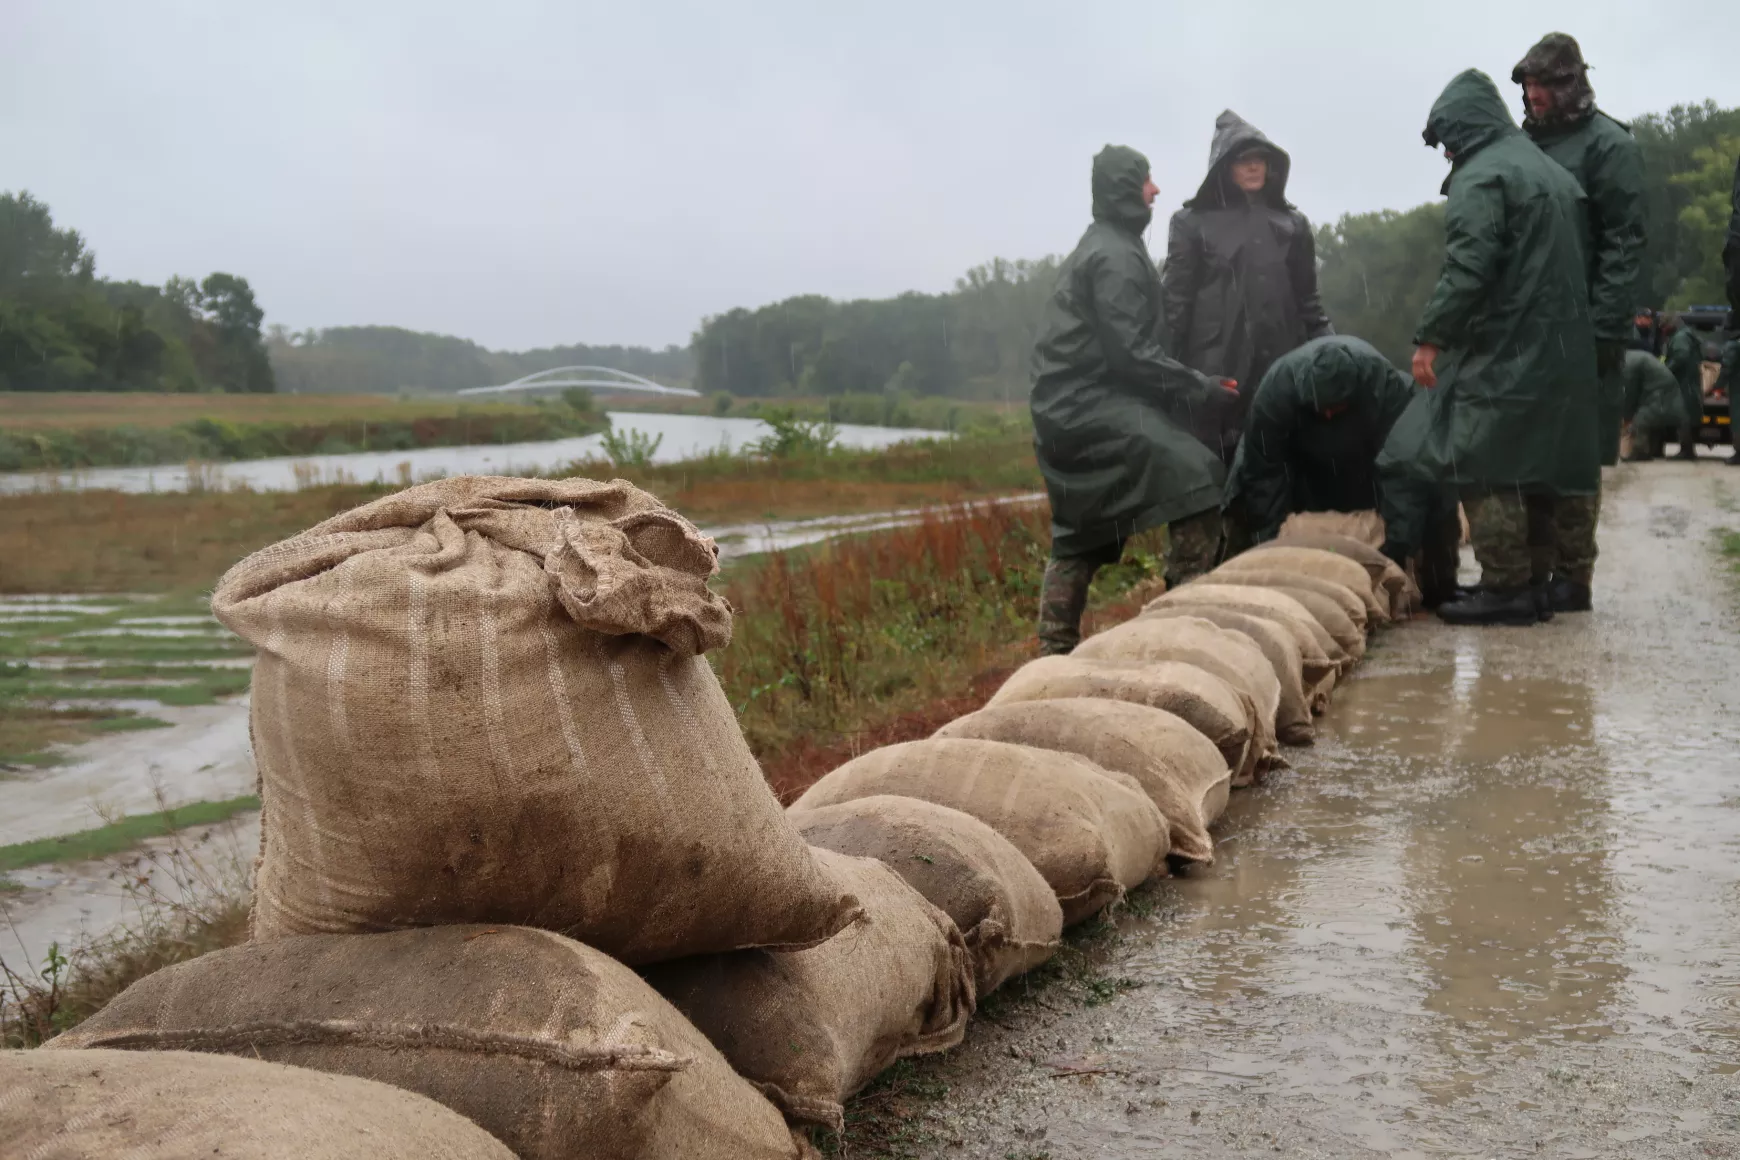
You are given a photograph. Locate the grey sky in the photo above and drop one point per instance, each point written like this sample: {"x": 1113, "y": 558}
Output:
{"x": 527, "y": 174}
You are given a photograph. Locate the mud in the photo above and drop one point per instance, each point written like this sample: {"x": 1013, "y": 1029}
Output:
{"x": 1495, "y": 912}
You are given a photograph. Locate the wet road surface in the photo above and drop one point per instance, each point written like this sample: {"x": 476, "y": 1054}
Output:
{"x": 1495, "y": 912}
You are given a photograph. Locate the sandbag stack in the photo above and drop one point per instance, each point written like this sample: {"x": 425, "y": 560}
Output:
{"x": 518, "y": 863}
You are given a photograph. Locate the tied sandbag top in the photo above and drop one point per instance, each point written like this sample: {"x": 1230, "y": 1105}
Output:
{"x": 619, "y": 560}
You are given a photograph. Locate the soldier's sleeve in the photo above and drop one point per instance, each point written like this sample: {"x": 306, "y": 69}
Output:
{"x": 1302, "y": 267}
{"x": 1127, "y": 329}
{"x": 1180, "y": 278}
{"x": 1616, "y": 205}
{"x": 1473, "y": 245}
{"x": 1265, "y": 451}
{"x": 1731, "y": 251}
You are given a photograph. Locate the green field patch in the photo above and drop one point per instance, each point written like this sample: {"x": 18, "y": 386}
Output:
{"x": 122, "y": 835}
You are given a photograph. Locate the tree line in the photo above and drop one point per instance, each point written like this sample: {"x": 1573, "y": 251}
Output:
{"x": 62, "y": 328}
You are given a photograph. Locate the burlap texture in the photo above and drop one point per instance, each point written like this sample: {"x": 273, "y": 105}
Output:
{"x": 1277, "y": 605}
{"x": 1091, "y": 833}
{"x": 1351, "y": 607}
{"x": 1280, "y": 651}
{"x": 1320, "y": 565}
{"x": 1367, "y": 527}
{"x": 482, "y": 700}
{"x": 1221, "y": 713}
{"x": 1177, "y": 767}
{"x": 811, "y": 1027}
{"x": 1227, "y": 655}
{"x": 1400, "y": 590}
{"x": 554, "y": 1048}
{"x": 1003, "y": 908}
{"x": 99, "y": 1105}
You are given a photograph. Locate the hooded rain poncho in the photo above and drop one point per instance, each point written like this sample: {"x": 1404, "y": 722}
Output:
{"x": 1652, "y": 394}
{"x": 1111, "y": 409}
{"x": 1514, "y": 404}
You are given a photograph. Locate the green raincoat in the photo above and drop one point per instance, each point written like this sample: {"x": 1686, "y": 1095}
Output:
{"x": 1685, "y": 360}
{"x": 1110, "y": 408}
{"x": 1510, "y": 315}
{"x": 1317, "y": 422}
{"x": 1652, "y": 395}
{"x": 1731, "y": 251}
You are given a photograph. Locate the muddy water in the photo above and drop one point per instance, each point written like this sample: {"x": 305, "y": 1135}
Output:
{"x": 1494, "y": 912}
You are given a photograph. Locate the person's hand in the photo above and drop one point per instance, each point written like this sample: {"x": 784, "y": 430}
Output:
{"x": 1609, "y": 355}
{"x": 1425, "y": 365}
{"x": 1229, "y": 385}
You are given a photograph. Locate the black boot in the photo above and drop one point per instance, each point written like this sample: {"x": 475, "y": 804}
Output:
{"x": 1494, "y": 606}
{"x": 1567, "y": 595}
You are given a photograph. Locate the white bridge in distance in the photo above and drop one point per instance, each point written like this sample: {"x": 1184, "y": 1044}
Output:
{"x": 561, "y": 378}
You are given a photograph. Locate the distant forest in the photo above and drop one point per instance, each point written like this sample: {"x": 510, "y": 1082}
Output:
{"x": 62, "y": 328}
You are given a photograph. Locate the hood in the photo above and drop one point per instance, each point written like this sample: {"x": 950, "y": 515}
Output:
{"x": 1119, "y": 174}
{"x": 1469, "y": 115}
{"x": 1334, "y": 373}
{"x": 1232, "y": 136}
{"x": 1557, "y": 62}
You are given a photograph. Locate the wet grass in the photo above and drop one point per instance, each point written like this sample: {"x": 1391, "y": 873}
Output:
{"x": 59, "y": 686}
{"x": 121, "y": 835}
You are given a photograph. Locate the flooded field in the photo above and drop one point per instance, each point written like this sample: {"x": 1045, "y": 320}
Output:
{"x": 1495, "y": 912}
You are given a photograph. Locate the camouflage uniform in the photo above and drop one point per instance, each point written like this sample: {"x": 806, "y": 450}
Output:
{"x": 1574, "y": 520}
{"x": 1192, "y": 547}
{"x": 1513, "y": 535}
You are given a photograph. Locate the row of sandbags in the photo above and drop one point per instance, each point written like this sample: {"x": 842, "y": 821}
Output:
{"x": 496, "y": 769}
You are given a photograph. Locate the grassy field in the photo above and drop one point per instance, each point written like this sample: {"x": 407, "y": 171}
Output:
{"x": 121, "y": 835}
{"x": 51, "y": 430}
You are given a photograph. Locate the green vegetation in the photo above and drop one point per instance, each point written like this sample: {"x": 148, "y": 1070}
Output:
{"x": 219, "y": 430}
{"x": 63, "y": 329}
{"x": 120, "y": 836}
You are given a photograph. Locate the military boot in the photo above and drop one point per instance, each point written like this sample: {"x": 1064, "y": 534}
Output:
{"x": 1688, "y": 444}
{"x": 1063, "y": 597}
{"x": 1515, "y": 606}
{"x": 1568, "y": 595}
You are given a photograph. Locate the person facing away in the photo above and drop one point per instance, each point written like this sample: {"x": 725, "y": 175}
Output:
{"x": 1653, "y": 406}
{"x": 1561, "y": 117}
{"x": 1111, "y": 410}
{"x": 1240, "y": 280}
{"x": 1731, "y": 255}
{"x": 1316, "y": 425}
{"x": 1507, "y": 349}
{"x": 1684, "y": 355}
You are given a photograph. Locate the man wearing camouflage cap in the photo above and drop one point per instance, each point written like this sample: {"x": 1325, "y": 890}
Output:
{"x": 1560, "y": 115}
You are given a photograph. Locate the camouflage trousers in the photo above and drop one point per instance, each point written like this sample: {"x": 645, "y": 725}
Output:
{"x": 1513, "y": 536}
{"x": 1193, "y": 547}
{"x": 1574, "y": 551}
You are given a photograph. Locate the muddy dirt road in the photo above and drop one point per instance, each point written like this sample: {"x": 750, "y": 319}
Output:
{"x": 1494, "y": 913}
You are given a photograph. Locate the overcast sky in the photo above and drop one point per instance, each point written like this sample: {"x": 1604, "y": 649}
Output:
{"x": 532, "y": 174}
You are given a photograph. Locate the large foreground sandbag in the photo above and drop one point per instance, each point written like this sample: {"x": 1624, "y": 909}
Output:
{"x": 1003, "y": 907}
{"x": 98, "y": 1105}
{"x": 1320, "y": 565}
{"x": 554, "y": 1048}
{"x": 1091, "y": 833}
{"x": 1227, "y": 655}
{"x": 1177, "y": 767}
{"x": 809, "y": 1028}
{"x": 1397, "y": 586}
{"x": 484, "y": 700}
{"x": 1276, "y": 605}
{"x": 1366, "y": 527}
{"x": 1281, "y": 651}
{"x": 1218, "y": 711}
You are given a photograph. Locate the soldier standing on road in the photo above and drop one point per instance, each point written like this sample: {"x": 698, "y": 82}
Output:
{"x": 1111, "y": 410}
{"x": 1240, "y": 281}
{"x": 1685, "y": 359}
{"x": 1317, "y": 422}
{"x": 1731, "y": 352}
{"x": 1604, "y": 158}
{"x": 1507, "y": 347}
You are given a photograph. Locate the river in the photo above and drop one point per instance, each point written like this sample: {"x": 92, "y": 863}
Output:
{"x": 680, "y": 437}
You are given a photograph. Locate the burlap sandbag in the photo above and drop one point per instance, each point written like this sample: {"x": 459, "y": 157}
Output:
{"x": 1320, "y": 565}
{"x": 1396, "y": 585}
{"x": 809, "y": 1028}
{"x": 1221, "y": 713}
{"x": 1177, "y": 767}
{"x": 1328, "y": 604}
{"x": 1366, "y": 527}
{"x": 554, "y": 1048}
{"x": 1004, "y": 909}
{"x": 1351, "y": 606}
{"x": 1281, "y": 651}
{"x": 1090, "y": 832}
{"x": 1227, "y": 655}
{"x": 483, "y": 700}
{"x": 98, "y": 1105}
{"x": 1277, "y": 605}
